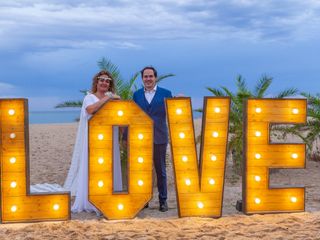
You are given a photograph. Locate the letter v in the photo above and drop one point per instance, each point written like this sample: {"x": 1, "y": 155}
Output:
{"x": 199, "y": 193}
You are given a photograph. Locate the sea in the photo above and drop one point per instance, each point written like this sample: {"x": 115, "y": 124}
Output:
{"x": 44, "y": 117}
{"x": 70, "y": 116}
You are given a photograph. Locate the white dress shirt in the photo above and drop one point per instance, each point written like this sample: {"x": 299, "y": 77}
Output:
{"x": 150, "y": 94}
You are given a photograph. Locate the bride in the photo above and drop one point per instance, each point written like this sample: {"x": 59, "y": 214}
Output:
{"x": 103, "y": 89}
{"x": 77, "y": 179}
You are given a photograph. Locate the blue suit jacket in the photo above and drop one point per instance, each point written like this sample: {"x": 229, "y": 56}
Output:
{"x": 156, "y": 110}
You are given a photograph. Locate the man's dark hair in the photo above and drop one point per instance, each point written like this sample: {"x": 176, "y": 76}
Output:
{"x": 149, "y": 67}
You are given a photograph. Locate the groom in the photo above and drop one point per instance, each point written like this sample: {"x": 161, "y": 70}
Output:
{"x": 151, "y": 100}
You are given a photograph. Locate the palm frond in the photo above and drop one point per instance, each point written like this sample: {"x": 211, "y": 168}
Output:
{"x": 70, "y": 104}
{"x": 241, "y": 84}
{"x": 106, "y": 64}
{"x": 84, "y": 91}
{"x": 133, "y": 79}
{"x": 312, "y": 100}
{"x": 243, "y": 95}
{"x": 307, "y": 95}
{"x": 162, "y": 77}
{"x": 215, "y": 91}
{"x": 262, "y": 86}
{"x": 200, "y": 110}
{"x": 229, "y": 94}
{"x": 287, "y": 93}
{"x": 127, "y": 89}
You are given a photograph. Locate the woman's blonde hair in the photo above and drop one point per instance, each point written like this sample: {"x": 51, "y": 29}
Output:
{"x": 96, "y": 79}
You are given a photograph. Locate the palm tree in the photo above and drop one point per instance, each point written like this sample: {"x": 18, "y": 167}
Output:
{"x": 72, "y": 104}
{"x": 124, "y": 88}
{"x": 235, "y": 145}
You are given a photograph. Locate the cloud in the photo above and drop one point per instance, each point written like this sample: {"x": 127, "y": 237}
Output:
{"x": 42, "y": 24}
{"x": 7, "y": 89}
{"x": 127, "y": 45}
{"x": 37, "y": 103}
{"x": 43, "y": 103}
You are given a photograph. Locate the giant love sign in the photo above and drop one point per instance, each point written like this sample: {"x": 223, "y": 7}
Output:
{"x": 199, "y": 186}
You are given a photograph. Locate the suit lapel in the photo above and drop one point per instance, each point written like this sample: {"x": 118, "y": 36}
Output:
{"x": 154, "y": 97}
{"x": 144, "y": 100}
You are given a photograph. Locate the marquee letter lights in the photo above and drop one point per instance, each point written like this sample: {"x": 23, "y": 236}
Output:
{"x": 140, "y": 144}
{"x": 260, "y": 155}
{"x": 199, "y": 196}
{"x": 17, "y": 203}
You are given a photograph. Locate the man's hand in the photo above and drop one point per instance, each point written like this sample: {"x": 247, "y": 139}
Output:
{"x": 115, "y": 96}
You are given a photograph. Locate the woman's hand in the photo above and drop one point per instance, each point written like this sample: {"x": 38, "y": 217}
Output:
{"x": 105, "y": 99}
{"x": 91, "y": 109}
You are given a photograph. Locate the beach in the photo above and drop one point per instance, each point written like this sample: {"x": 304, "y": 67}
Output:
{"x": 51, "y": 147}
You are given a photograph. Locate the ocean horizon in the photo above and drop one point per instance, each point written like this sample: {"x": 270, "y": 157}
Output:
{"x": 69, "y": 116}
{"x": 54, "y": 116}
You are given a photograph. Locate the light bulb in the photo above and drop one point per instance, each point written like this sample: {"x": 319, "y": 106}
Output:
{"x": 257, "y": 155}
{"x": 100, "y": 184}
{"x": 179, "y": 111}
{"x": 257, "y": 200}
{"x": 12, "y": 135}
{"x": 14, "y": 208}
{"x": 11, "y": 112}
{"x": 211, "y": 181}
{"x": 140, "y": 182}
{"x": 295, "y": 110}
{"x": 293, "y": 199}
{"x": 120, "y": 113}
{"x": 184, "y": 158}
{"x": 13, "y": 184}
{"x": 100, "y": 136}
{"x": 140, "y": 136}
{"x": 140, "y": 159}
{"x": 217, "y": 110}
{"x": 258, "y": 110}
{"x": 120, "y": 207}
{"x": 200, "y": 205}
{"x": 213, "y": 157}
{"x": 56, "y": 207}
{"x": 257, "y": 178}
{"x": 12, "y": 160}
{"x": 215, "y": 134}
{"x": 294, "y": 155}
{"x": 188, "y": 182}
{"x": 100, "y": 160}
{"x": 258, "y": 134}
{"x": 182, "y": 135}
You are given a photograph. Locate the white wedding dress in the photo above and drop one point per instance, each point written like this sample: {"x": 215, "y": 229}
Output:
{"x": 77, "y": 179}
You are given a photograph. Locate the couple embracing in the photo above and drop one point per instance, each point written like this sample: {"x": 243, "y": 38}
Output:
{"x": 151, "y": 99}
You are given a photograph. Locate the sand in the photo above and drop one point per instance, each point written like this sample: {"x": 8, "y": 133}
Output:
{"x": 51, "y": 147}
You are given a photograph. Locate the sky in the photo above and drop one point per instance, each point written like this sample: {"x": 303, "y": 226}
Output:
{"x": 50, "y": 49}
